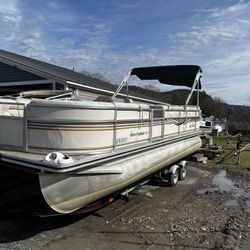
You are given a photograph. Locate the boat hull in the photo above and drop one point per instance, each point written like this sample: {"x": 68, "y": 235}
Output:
{"x": 66, "y": 193}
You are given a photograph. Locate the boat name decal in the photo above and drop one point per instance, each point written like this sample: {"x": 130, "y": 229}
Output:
{"x": 132, "y": 134}
{"x": 121, "y": 140}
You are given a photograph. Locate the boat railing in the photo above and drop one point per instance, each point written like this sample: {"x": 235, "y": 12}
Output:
{"x": 15, "y": 125}
{"x": 115, "y": 127}
{"x": 157, "y": 114}
{"x": 14, "y": 118}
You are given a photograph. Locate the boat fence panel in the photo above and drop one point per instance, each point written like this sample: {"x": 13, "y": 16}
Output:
{"x": 12, "y": 123}
{"x": 81, "y": 128}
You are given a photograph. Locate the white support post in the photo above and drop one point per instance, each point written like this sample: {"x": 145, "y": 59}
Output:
{"x": 54, "y": 85}
{"x": 196, "y": 81}
{"x": 25, "y": 129}
{"x": 198, "y": 94}
{"x": 66, "y": 87}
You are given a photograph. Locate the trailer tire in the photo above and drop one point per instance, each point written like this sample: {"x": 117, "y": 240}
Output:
{"x": 182, "y": 173}
{"x": 173, "y": 178}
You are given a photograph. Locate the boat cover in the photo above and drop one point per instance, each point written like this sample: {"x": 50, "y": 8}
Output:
{"x": 181, "y": 75}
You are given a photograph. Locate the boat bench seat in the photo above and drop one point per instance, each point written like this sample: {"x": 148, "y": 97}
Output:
{"x": 103, "y": 98}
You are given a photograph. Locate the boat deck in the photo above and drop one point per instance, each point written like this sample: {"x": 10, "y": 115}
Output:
{"x": 19, "y": 154}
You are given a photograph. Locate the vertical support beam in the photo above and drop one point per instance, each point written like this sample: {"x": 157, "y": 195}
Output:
{"x": 198, "y": 104}
{"x": 238, "y": 148}
{"x": 196, "y": 81}
{"x": 198, "y": 94}
{"x": 127, "y": 88}
{"x": 115, "y": 127}
{"x": 25, "y": 128}
{"x": 163, "y": 123}
{"x": 54, "y": 85}
{"x": 179, "y": 127}
{"x": 196, "y": 115}
{"x": 66, "y": 87}
{"x": 151, "y": 125}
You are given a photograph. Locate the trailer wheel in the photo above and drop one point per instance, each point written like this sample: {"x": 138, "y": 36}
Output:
{"x": 173, "y": 178}
{"x": 183, "y": 173}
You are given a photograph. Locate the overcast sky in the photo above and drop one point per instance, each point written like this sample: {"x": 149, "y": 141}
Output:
{"x": 113, "y": 36}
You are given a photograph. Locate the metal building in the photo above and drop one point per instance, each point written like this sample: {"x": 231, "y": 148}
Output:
{"x": 19, "y": 73}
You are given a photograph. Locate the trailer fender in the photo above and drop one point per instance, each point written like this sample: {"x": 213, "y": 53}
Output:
{"x": 173, "y": 169}
{"x": 182, "y": 164}
{"x": 182, "y": 170}
{"x": 173, "y": 175}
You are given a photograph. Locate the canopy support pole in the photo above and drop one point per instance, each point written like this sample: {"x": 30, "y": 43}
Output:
{"x": 196, "y": 82}
{"x": 198, "y": 94}
{"x": 121, "y": 85}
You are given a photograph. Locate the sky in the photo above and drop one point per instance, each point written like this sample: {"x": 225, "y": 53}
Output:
{"x": 112, "y": 36}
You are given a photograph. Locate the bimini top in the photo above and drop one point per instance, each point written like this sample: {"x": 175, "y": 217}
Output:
{"x": 181, "y": 75}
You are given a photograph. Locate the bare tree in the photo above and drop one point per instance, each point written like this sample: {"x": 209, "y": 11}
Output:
{"x": 95, "y": 75}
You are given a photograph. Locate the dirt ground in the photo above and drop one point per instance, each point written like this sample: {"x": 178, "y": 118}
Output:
{"x": 210, "y": 209}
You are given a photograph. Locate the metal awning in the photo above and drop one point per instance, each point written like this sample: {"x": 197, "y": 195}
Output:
{"x": 180, "y": 75}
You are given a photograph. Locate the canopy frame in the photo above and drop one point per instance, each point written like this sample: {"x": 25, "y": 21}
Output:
{"x": 196, "y": 84}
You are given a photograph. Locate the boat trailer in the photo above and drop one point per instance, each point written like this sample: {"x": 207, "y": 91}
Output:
{"x": 238, "y": 143}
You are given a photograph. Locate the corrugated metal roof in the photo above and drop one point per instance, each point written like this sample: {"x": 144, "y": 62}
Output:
{"x": 51, "y": 71}
{"x": 13, "y": 74}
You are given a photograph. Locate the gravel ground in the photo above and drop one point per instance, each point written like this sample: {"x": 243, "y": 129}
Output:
{"x": 210, "y": 209}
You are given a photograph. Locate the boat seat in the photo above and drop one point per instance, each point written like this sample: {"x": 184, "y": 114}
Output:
{"x": 104, "y": 98}
{"x": 128, "y": 100}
